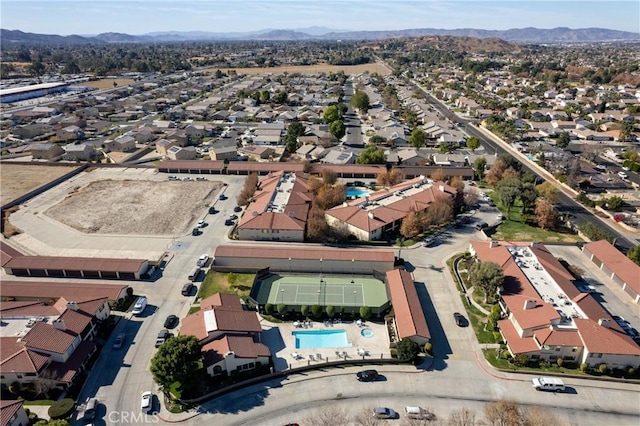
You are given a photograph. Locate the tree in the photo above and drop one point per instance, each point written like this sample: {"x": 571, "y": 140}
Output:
{"x": 294, "y": 131}
{"x": 563, "y": 140}
{"x": 473, "y": 143}
{"x": 634, "y": 254}
{"x": 528, "y": 197}
{"x": 502, "y": 413}
{"x": 360, "y": 100}
{"x": 389, "y": 177}
{"x": 337, "y": 129}
{"x": 371, "y": 155}
{"x": 545, "y": 214}
{"x": 438, "y": 175}
{"x": 317, "y": 226}
{"x": 439, "y": 212}
{"x": 330, "y": 311}
{"x": 417, "y": 138}
{"x": 304, "y": 310}
{"x": 377, "y": 140}
{"x": 479, "y": 165}
{"x": 509, "y": 191}
{"x": 407, "y": 349}
{"x": 547, "y": 191}
{"x": 499, "y": 171}
{"x": 281, "y": 308}
{"x": 614, "y": 203}
{"x": 329, "y": 177}
{"x": 365, "y": 312}
{"x": 268, "y": 308}
{"x": 411, "y": 225}
{"x": 462, "y": 417}
{"x": 487, "y": 276}
{"x": 331, "y": 114}
{"x": 316, "y": 311}
{"x": 178, "y": 360}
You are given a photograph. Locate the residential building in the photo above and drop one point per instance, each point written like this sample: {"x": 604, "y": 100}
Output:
{"x": 546, "y": 316}
{"x": 46, "y": 151}
{"x": 223, "y": 152}
{"x": 278, "y": 210}
{"x": 408, "y": 321}
{"x": 79, "y": 152}
{"x": 180, "y": 153}
{"x": 372, "y": 217}
{"x": 12, "y": 413}
{"x": 123, "y": 144}
{"x": 616, "y": 265}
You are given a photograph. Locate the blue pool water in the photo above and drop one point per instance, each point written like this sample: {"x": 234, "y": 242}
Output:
{"x": 311, "y": 339}
{"x": 366, "y": 332}
{"x": 355, "y": 192}
{"x": 530, "y": 157}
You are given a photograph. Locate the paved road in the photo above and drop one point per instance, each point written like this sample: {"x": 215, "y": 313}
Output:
{"x": 565, "y": 205}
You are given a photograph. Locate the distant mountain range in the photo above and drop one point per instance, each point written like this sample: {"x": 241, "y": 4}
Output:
{"x": 518, "y": 35}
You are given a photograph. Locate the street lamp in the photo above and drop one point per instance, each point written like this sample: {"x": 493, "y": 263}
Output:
{"x": 318, "y": 297}
{"x": 282, "y": 295}
{"x": 289, "y": 265}
{"x": 352, "y": 268}
{"x": 355, "y": 296}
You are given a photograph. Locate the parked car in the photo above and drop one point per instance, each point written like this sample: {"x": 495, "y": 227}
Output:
{"x": 384, "y": 413}
{"x": 419, "y": 413}
{"x": 186, "y": 289}
{"x": 548, "y": 383}
{"x": 237, "y": 209}
{"x": 212, "y": 210}
{"x": 233, "y": 216}
{"x": 196, "y": 232}
{"x": 623, "y": 175}
{"x": 117, "y": 344}
{"x": 163, "y": 335}
{"x": 228, "y": 222}
{"x": 146, "y": 402}
{"x": 202, "y": 260}
{"x": 460, "y": 319}
{"x": 367, "y": 375}
{"x": 201, "y": 178}
{"x": 222, "y": 197}
{"x": 201, "y": 224}
{"x": 171, "y": 321}
{"x": 601, "y": 167}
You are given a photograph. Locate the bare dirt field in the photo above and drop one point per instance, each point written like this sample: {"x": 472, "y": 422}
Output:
{"x": 18, "y": 179}
{"x": 312, "y": 69}
{"x": 107, "y": 83}
{"x": 134, "y": 206}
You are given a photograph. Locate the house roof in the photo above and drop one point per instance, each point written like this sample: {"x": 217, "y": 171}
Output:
{"x": 66, "y": 371}
{"x": 599, "y": 339}
{"x": 617, "y": 262}
{"x": 54, "y": 289}
{"x": 7, "y": 253}
{"x": 410, "y": 318}
{"x": 47, "y": 338}
{"x": 241, "y": 346}
{"x": 304, "y": 252}
{"x": 8, "y": 409}
{"x": 76, "y": 263}
{"x": 14, "y": 356}
{"x": 517, "y": 344}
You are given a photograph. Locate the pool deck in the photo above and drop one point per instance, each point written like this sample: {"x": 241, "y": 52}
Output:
{"x": 280, "y": 340}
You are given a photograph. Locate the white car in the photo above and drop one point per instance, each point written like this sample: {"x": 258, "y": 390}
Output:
{"x": 202, "y": 260}
{"x": 201, "y": 224}
{"x": 146, "y": 402}
{"x": 625, "y": 168}
{"x": 623, "y": 175}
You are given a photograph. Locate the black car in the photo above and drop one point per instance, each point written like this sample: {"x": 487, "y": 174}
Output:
{"x": 367, "y": 375}
{"x": 237, "y": 209}
{"x": 186, "y": 289}
{"x": 222, "y": 197}
{"x": 171, "y": 321}
{"x": 163, "y": 335}
{"x": 460, "y": 320}
{"x": 212, "y": 210}
{"x": 229, "y": 222}
{"x": 196, "y": 232}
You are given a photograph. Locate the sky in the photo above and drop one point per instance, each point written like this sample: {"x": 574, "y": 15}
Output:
{"x": 90, "y": 17}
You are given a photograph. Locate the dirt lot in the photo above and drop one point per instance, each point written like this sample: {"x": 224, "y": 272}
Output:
{"x": 107, "y": 83}
{"x": 18, "y": 179}
{"x": 135, "y": 206}
{"x": 312, "y": 69}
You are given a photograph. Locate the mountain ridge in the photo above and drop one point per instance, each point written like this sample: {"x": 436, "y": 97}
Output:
{"x": 518, "y": 35}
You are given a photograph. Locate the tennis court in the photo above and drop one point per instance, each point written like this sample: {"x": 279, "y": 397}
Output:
{"x": 295, "y": 290}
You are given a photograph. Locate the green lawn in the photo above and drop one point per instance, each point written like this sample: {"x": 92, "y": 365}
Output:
{"x": 478, "y": 321}
{"x": 218, "y": 282}
{"x": 515, "y": 228}
{"x": 492, "y": 356}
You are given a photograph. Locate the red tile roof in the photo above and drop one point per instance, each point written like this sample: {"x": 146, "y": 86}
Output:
{"x": 8, "y": 409}
{"x": 410, "y": 318}
{"x": 76, "y": 263}
{"x": 558, "y": 337}
{"x": 7, "y": 253}
{"x": 167, "y": 165}
{"x": 517, "y": 344}
{"x": 249, "y": 166}
{"x": 306, "y": 252}
{"x": 15, "y": 357}
{"x": 599, "y": 339}
{"x": 47, "y": 338}
{"x": 617, "y": 262}
{"x": 66, "y": 371}
{"x": 242, "y": 347}
{"x": 55, "y": 289}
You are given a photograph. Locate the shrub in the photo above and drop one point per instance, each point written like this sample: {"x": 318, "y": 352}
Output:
{"x": 560, "y": 361}
{"x": 330, "y": 310}
{"x": 316, "y": 311}
{"x": 268, "y": 308}
{"x": 631, "y": 371}
{"x": 304, "y": 310}
{"x": 544, "y": 364}
{"x": 521, "y": 360}
{"x": 394, "y": 353}
{"x": 602, "y": 368}
{"x": 365, "y": 312}
{"x": 282, "y": 308}
{"x": 61, "y": 409}
{"x": 584, "y": 367}
{"x": 408, "y": 350}
{"x": 231, "y": 278}
{"x": 428, "y": 348}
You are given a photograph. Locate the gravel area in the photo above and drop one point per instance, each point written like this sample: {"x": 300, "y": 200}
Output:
{"x": 135, "y": 206}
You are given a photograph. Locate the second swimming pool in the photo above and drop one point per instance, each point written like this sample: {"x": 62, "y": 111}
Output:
{"x": 311, "y": 339}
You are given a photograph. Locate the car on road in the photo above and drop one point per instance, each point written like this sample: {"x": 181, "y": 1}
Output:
{"x": 623, "y": 175}
{"x": 222, "y": 197}
{"x": 233, "y": 216}
{"x": 229, "y": 222}
{"x": 459, "y": 318}
{"x": 237, "y": 209}
{"x": 419, "y": 413}
{"x": 548, "y": 384}
{"x": 600, "y": 167}
{"x": 201, "y": 224}
{"x": 171, "y": 321}
{"x": 186, "y": 289}
{"x": 146, "y": 402}
{"x": 117, "y": 344}
{"x": 139, "y": 306}
{"x": 202, "y": 260}
{"x": 367, "y": 375}
{"x": 163, "y": 335}
{"x": 196, "y": 231}
{"x": 384, "y": 413}
{"x": 212, "y": 210}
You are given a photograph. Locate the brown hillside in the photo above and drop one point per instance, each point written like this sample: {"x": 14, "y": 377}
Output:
{"x": 460, "y": 44}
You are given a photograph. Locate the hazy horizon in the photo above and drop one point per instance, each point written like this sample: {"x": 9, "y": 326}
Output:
{"x": 135, "y": 17}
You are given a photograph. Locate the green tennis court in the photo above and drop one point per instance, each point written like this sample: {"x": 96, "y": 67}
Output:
{"x": 294, "y": 290}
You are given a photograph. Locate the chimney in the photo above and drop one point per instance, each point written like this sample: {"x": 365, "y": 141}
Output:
{"x": 441, "y": 188}
{"x": 72, "y": 305}
{"x": 493, "y": 243}
{"x": 371, "y": 215}
{"x": 530, "y": 304}
{"x": 59, "y": 325}
{"x": 604, "y": 322}
{"x": 535, "y": 244}
{"x": 345, "y": 204}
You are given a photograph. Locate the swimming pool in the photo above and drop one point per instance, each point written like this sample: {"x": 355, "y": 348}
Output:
{"x": 355, "y": 192}
{"x": 311, "y": 339}
{"x": 366, "y": 332}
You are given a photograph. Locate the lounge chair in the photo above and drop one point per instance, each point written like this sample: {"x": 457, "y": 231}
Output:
{"x": 319, "y": 356}
{"x": 312, "y": 358}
